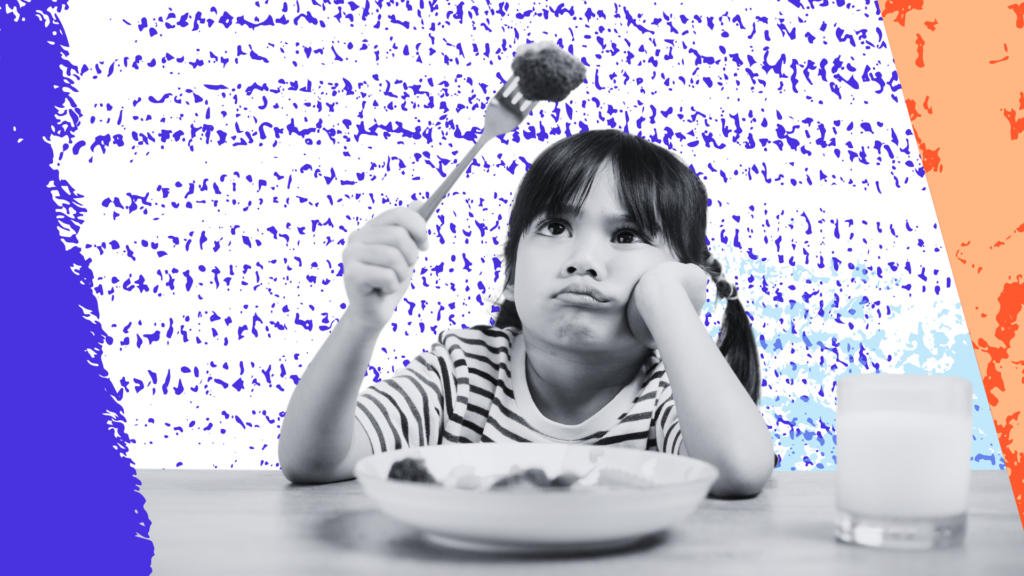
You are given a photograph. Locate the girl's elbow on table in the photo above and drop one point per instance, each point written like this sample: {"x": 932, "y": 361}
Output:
{"x": 741, "y": 482}
{"x": 312, "y": 471}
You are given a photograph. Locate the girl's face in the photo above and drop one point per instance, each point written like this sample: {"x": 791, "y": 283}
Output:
{"x": 574, "y": 274}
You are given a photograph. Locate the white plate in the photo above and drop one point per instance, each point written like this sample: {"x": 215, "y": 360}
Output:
{"x": 584, "y": 518}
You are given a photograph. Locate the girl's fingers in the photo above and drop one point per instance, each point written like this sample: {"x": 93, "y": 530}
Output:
{"x": 373, "y": 277}
{"x": 379, "y": 256}
{"x": 384, "y": 256}
{"x": 393, "y": 236}
{"x": 408, "y": 219}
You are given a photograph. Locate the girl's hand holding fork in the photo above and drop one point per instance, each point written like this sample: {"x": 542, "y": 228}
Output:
{"x": 378, "y": 260}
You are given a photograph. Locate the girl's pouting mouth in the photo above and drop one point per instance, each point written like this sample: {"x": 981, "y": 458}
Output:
{"x": 585, "y": 315}
{"x": 581, "y": 294}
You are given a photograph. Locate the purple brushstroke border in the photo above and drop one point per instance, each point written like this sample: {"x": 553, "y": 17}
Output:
{"x": 71, "y": 504}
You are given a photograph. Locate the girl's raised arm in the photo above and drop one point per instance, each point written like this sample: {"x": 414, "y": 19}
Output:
{"x": 320, "y": 440}
{"x": 718, "y": 421}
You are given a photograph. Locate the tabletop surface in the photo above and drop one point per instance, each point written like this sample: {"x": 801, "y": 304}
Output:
{"x": 256, "y": 522}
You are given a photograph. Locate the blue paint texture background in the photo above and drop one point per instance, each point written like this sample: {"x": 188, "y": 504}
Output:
{"x": 212, "y": 160}
{"x": 70, "y": 499}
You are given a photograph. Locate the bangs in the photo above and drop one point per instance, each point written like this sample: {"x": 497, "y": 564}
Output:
{"x": 560, "y": 180}
{"x": 642, "y": 187}
{"x": 558, "y": 183}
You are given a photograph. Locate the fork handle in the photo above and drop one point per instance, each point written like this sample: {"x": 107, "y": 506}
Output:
{"x": 426, "y": 210}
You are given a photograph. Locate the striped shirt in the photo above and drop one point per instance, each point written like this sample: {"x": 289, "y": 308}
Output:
{"x": 471, "y": 387}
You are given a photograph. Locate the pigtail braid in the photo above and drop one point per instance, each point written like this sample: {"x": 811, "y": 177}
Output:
{"x": 736, "y": 336}
{"x": 723, "y": 288}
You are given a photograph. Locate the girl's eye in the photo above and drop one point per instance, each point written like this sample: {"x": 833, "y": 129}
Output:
{"x": 553, "y": 228}
{"x": 627, "y": 237}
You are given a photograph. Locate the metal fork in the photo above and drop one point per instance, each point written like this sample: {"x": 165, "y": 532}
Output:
{"x": 505, "y": 111}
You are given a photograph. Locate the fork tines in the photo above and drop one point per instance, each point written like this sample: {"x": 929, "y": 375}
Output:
{"x": 513, "y": 99}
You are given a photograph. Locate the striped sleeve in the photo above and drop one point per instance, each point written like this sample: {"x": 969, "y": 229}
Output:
{"x": 406, "y": 410}
{"x": 668, "y": 436}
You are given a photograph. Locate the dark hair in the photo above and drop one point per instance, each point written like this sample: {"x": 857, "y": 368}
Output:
{"x": 662, "y": 195}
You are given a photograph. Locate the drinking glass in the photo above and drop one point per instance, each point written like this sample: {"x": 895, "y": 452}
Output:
{"x": 903, "y": 460}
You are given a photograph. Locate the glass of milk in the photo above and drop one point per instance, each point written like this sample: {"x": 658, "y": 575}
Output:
{"x": 903, "y": 460}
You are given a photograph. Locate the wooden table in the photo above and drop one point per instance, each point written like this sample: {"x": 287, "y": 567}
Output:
{"x": 255, "y": 522}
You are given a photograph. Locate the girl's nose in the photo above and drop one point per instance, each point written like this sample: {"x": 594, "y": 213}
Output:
{"x": 583, "y": 271}
{"x": 585, "y": 261}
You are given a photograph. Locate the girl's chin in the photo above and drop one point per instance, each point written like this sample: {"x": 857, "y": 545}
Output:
{"x": 589, "y": 337}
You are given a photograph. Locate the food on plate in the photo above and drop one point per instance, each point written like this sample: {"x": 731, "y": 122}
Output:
{"x": 463, "y": 477}
{"x": 517, "y": 479}
{"x": 534, "y": 478}
{"x": 564, "y": 480}
{"x": 411, "y": 470}
{"x": 530, "y": 478}
{"x": 621, "y": 478}
{"x": 546, "y": 72}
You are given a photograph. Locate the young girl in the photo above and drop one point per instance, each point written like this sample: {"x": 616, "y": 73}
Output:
{"x": 606, "y": 259}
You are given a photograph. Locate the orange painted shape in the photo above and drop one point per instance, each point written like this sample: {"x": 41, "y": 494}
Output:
{"x": 912, "y": 109}
{"x": 1016, "y": 126}
{"x": 901, "y": 8}
{"x": 975, "y": 88}
{"x": 1018, "y": 9}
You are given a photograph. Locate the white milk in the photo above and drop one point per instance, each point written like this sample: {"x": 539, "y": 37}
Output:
{"x": 904, "y": 445}
{"x": 912, "y": 465}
